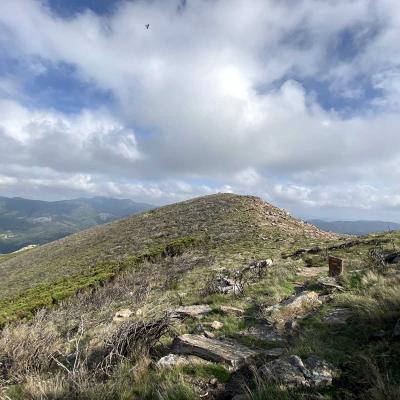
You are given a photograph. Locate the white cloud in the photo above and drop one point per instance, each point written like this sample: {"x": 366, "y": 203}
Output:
{"x": 218, "y": 93}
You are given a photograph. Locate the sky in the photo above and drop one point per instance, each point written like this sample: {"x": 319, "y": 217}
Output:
{"x": 296, "y": 101}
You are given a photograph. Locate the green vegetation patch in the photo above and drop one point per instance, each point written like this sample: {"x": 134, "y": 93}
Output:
{"x": 49, "y": 293}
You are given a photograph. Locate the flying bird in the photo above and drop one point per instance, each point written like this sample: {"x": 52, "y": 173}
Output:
{"x": 147, "y": 26}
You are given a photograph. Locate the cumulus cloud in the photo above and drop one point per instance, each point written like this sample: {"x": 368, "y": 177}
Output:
{"x": 222, "y": 95}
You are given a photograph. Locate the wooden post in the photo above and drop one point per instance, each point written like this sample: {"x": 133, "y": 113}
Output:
{"x": 336, "y": 267}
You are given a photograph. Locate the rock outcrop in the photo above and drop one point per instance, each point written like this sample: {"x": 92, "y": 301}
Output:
{"x": 292, "y": 372}
{"x": 296, "y": 306}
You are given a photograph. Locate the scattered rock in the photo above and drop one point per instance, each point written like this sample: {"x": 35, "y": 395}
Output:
{"x": 261, "y": 264}
{"x": 213, "y": 381}
{"x": 122, "y": 315}
{"x": 226, "y": 285}
{"x": 296, "y": 306}
{"x": 326, "y": 298}
{"x": 263, "y": 332}
{"x": 396, "y": 331}
{"x": 338, "y": 316}
{"x": 329, "y": 283}
{"x": 174, "y": 360}
{"x": 139, "y": 312}
{"x": 292, "y": 372}
{"x": 233, "y": 354}
{"x": 216, "y": 325}
{"x": 199, "y": 328}
{"x": 392, "y": 258}
{"x": 275, "y": 352}
{"x": 321, "y": 372}
{"x": 209, "y": 334}
{"x": 171, "y": 361}
{"x": 232, "y": 310}
{"x": 195, "y": 312}
{"x": 291, "y": 327}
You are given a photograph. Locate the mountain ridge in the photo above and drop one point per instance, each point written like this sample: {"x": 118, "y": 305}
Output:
{"x": 25, "y": 222}
{"x": 356, "y": 227}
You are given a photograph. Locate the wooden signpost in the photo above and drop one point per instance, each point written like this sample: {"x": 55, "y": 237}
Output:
{"x": 336, "y": 266}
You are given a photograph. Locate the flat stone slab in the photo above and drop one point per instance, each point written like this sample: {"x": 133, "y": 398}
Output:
{"x": 329, "y": 282}
{"x": 196, "y": 311}
{"x": 263, "y": 332}
{"x": 233, "y": 354}
{"x": 232, "y": 310}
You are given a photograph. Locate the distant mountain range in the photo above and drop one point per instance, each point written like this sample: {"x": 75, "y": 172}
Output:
{"x": 355, "y": 227}
{"x": 24, "y": 222}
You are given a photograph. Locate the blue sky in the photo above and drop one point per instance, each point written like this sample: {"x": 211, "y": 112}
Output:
{"x": 296, "y": 102}
{"x": 69, "y": 8}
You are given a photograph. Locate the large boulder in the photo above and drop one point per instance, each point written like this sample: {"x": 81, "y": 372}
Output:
{"x": 231, "y": 353}
{"x": 292, "y": 372}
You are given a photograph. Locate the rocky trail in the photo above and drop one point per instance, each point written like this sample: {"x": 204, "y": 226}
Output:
{"x": 274, "y": 333}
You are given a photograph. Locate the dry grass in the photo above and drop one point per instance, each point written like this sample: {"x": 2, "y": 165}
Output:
{"x": 376, "y": 297}
{"x": 29, "y": 348}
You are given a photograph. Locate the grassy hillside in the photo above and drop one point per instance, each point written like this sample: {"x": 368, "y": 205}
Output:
{"x": 24, "y": 222}
{"x": 172, "y": 257}
{"x": 222, "y": 224}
